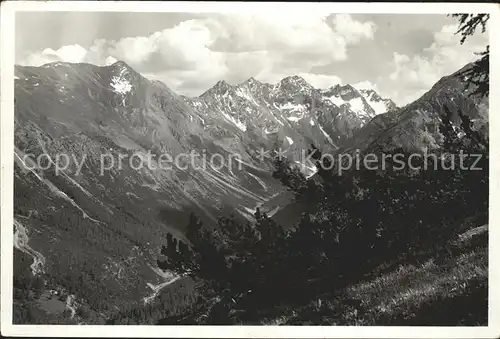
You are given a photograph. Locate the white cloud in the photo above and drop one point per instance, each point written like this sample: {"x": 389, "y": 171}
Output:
{"x": 353, "y": 31}
{"x": 414, "y": 75}
{"x": 69, "y": 53}
{"x": 314, "y": 33}
{"x": 72, "y": 53}
{"x": 110, "y": 60}
{"x": 320, "y": 80}
{"x": 196, "y": 53}
{"x": 366, "y": 85}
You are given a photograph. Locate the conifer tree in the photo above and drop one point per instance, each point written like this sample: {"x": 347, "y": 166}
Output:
{"x": 479, "y": 74}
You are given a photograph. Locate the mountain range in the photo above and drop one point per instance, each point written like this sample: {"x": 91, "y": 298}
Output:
{"x": 110, "y": 225}
{"x": 66, "y": 104}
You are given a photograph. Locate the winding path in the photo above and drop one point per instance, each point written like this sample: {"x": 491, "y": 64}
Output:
{"x": 157, "y": 288}
{"x": 69, "y": 305}
{"x": 21, "y": 243}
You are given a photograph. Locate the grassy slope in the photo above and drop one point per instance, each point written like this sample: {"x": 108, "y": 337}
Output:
{"x": 428, "y": 294}
{"x": 446, "y": 290}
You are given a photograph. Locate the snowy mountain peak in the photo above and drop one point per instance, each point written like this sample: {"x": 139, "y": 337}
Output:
{"x": 222, "y": 84}
{"x": 291, "y": 87}
{"x": 294, "y": 80}
{"x": 220, "y": 88}
{"x": 359, "y": 97}
{"x": 252, "y": 85}
{"x": 122, "y": 69}
{"x": 253, "y": 81}
{"x": 347, "y": 96}
{"x": 379, "y": 104}
{"x": 120, "y": 65}
{"x": 370, "y": 92}
{"x": 346, "y": 92}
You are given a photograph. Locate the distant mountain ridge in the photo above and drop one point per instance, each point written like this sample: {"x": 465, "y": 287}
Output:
{"x": 417, "y": 126}
{"x": 289, "y": 101}
{"x": 291, "y": 114}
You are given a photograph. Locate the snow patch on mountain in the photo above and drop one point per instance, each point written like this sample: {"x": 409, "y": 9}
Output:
{"x": 245, "y": 93}
{"x": 327, "y": 136}
{"x": 236, "y": 122}
{"x": 121, "y": 85}
{"x": 377, "y": 103}
{"x": 294, "y": 119}
{"x": 378, "y": 106}
{"x": 291, "y": 108}
{"x": 357, "y": 105}
{"x": 267, "y": 131}
{"x": 336, "y": 100}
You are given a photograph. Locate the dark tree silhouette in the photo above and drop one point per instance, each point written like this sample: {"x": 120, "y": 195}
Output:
{"x": 193, "y": 228}
{"x": 479, "y": 73}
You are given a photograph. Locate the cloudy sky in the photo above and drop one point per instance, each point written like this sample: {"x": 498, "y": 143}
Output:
{"x": 400, "y": 55}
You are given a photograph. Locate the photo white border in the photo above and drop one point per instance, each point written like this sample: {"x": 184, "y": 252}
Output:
{"x": 8, "y": 10}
